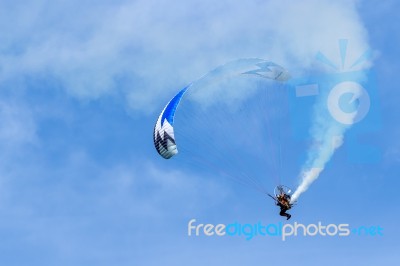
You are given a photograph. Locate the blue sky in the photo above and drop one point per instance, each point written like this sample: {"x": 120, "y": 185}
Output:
{"x": 81, "y": 86}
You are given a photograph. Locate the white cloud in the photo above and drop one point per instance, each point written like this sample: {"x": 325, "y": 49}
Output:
{"x": 149, "y": 49}
{"x": 81, "y": 202}
{"x": 128, "y": 188}
{"x": 17, "y": 124}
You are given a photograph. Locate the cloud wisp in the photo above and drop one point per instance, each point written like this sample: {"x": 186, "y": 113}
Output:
{"x": 149, "y": 49}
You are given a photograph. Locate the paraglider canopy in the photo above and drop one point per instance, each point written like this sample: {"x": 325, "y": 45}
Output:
{"x": 164, "y": 129}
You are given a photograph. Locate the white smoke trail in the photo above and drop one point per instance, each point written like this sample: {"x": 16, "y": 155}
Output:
{"x": 329, "y": 127}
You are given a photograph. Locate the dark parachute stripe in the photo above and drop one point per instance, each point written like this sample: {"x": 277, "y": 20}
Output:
{"x": 159, "y": 140}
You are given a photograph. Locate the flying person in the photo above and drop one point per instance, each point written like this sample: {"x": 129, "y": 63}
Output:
{"x": 283, "y": 201}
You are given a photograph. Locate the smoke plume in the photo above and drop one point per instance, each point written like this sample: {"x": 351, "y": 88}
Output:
{"x": 334, "y": 113}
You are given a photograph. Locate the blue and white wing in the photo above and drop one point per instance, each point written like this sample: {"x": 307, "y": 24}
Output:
{"x": 163, "y": 135}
